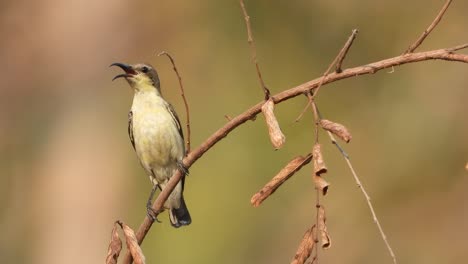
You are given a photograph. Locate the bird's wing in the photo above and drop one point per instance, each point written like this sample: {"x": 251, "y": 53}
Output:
{"x": 171, "y": 110}
{"x": 176, "y": 120}
{"x": 130, "y": 128}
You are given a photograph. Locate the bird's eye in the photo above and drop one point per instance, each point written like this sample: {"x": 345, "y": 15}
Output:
{"x": 144, "y": 69}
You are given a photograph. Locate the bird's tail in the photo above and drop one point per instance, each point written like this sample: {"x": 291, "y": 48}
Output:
{"x": 180, "y": 216}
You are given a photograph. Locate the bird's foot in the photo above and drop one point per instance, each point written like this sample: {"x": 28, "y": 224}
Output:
{"x": 153, "y": 214}
{"x": 182, "y": 168}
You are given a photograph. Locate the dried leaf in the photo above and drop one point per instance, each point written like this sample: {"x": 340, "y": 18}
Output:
{"x": 132, "y": 245}
{"x": 292, "y": 167}
{"x": 338, "y": 129}
{"x": 115, "y": 246}
{"x": 305, "y": 248}
{"x": 321, "y": 184}
{"x": 322, "y": 227}
{"x": 277, "y": 137}
{"x": 319, "y": 163}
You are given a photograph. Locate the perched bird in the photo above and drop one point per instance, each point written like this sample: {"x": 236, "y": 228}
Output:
{"x": 156, "y": 135}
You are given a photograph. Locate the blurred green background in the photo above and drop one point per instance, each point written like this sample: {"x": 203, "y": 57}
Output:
{"x": 68, "y": 170}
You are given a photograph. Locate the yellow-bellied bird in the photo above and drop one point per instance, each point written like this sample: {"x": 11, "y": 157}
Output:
{"x": 156, "y": 136}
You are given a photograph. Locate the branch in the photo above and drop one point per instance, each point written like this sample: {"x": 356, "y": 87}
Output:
{"x": 253, "y": 49}
{"x": 426, "y": 32}
{"x": 249, "y": 114}
{"x": 187, "y": 110}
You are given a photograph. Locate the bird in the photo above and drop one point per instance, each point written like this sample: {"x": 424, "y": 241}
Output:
{"x": 157, "y": 138}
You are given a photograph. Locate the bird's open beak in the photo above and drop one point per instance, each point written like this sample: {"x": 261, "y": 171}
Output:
{"x": 129, "y": 71}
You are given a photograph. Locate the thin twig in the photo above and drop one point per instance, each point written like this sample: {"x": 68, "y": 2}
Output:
{"x": 249, "y": 114}
{"x": 368, "y": 199}
{"x": 426, "y": 32}
{"x": 341, "y": 55}
{"x": 253, "y": 49}
{"x": 299, "y": 117}
{"x": 345, "y": 50}
{"x": 338, "y": 62}
{"x": 316, "y": 234}
{"x": 187, "y": 110}
{"x": 459, "y": 47}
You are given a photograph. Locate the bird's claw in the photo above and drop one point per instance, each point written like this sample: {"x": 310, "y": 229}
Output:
{"x": 182, "y": 168}
{"x": 153, "y": 214}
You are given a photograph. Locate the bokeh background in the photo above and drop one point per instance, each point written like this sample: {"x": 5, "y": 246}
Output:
{"x": 68, "y": 170}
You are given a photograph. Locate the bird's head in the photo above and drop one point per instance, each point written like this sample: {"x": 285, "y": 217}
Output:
{"x": 141, "y": 77}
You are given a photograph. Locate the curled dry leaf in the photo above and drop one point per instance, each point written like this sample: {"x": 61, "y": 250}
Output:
{"x": 305, "y": 248}
{"x": 132, "y": 245}
{"x": 115, "y": 246}
{"x": 322, "y": 227}
{"x": 321, "y": 184}
{"x": 338, "y": 129}
{"x": 277, "y": 137}
{"x": 319, "y": 163}
{"x": 292, "y": 167}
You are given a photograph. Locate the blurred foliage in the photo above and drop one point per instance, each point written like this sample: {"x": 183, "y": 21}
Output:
{"x": 68, "y": 171}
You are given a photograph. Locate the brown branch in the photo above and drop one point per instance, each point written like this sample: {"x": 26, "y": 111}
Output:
{"x": 338, "y": 61}
{"x": 249, "y": 114}
{"x": 368, "y": 199}
{"x": 339, "y": 58}
{"x": 345, "y": 50}
{"x": 253, "y": 49}
{"x": 187, "y": 110}
{"x": 426, "y": 32}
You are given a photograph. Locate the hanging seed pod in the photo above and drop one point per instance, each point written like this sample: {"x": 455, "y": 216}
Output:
{"x": 321, "y": 184}
{"x": 322, "y": 227}
{"x": 277, "y": 137}
{"x": 115, "y": 246}
{"x": 283, "y": 175}
{"x": 132, "y": 245}
{"x": 305, "y": 248}
{"x": 338, "y": 129}
{"x": 319, "y": 163}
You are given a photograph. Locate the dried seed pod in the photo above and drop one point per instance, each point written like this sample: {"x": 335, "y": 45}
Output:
{"x": 283, "y": 175}
{"x": 305, "y": 248}
{"x": 321, "y": 184}
{"x": 132, "y": 245}
{"x": 115, "y": 246}
{"x": 322, "y": 227}
{"x": 338, "y": 129}
{"x": 319, "y": 163}
{"x": 277, "y": 137}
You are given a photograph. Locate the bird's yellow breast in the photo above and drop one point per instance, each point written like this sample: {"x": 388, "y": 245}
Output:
{"x": 158, "y": 143}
